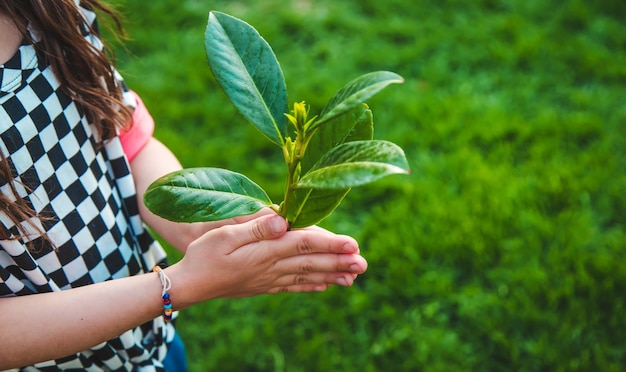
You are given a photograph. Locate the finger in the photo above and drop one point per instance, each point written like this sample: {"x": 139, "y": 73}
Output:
{"x": 317, "y": 228}
{"x": 310, "y": 241}
{"x": 312, "y": 282}
{"x": 207, "y": 226}
{"x": 322, "y": 262}
{"x": 249, "y": 217}
{"x": 304, "y": 288}
{"x": 266, "y": 227}
{"x": 320, "y": 269}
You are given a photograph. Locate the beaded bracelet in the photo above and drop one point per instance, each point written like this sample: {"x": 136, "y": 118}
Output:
{"x": 166, "y": 283}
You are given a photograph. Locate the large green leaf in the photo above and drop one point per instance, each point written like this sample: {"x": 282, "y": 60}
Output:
{"x": 310, "y": 206}
{"x": 356, "y": 163}
{"x": 357, "y": 124}
{"x": 246, "y": 68}
{"x": 204, "y": 194}
{"x": 356, "y": 92}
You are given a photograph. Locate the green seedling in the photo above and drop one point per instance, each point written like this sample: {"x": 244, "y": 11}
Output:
{"x": 326, "y": 155}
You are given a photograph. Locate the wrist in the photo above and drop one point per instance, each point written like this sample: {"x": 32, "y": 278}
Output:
{"x": 166, "y": 285}
{"x": 182, "y": 290}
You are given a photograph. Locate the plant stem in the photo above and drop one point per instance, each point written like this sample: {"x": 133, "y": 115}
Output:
{"x": 294, "y": 153}
{"x": 293, "y": 157}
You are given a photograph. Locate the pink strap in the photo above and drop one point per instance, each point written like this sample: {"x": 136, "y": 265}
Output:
{"x": 140, "y": 133}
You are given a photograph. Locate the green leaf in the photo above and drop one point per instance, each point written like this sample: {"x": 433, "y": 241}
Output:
{"x": 204, "y": 194}
{"x": 313, "y": 205}
{"x": 356, "y": 163}
{"x": 356, "y": 125}
{"x": 246, "y": 68}
{"x": 356, "y": 92}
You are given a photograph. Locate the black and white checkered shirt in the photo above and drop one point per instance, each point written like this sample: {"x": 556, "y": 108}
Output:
{"x": 89, "y": 192}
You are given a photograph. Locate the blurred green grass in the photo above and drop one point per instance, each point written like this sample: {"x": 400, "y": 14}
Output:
{"x": 503, "y": 250}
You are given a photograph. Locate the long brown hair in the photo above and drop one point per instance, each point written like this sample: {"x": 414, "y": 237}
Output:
{"x": 86, "y": 74}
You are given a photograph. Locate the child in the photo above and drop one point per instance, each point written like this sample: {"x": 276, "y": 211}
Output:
{"x": 81, "y": 283}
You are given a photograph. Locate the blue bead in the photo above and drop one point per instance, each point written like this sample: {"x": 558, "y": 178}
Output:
{"x": 166, "y": 296}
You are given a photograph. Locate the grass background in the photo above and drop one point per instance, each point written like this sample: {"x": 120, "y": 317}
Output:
{"x": 505, "y": 247}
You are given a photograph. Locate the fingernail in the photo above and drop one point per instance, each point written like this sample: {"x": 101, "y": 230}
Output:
{"x": 354, "y": 268}
{"x": 342, "y": 281}
{"x": 348, "y": 248}
{"x": 319, "y": 288}
{"x": 277, "y": 224}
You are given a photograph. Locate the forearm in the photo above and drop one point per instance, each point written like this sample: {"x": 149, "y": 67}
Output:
{"x": 47, "y": 326}
{"x": 153, "y": 161}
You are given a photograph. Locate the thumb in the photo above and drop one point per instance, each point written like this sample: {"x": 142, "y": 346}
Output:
{"x": 232, "y": 237}
{"x": 263, "y": 228}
